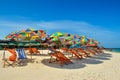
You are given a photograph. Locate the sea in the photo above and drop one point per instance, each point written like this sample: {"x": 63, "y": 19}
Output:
{"x": 115, "y": 50}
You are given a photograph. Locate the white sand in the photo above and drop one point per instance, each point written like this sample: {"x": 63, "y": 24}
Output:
{"x": 101, "y": 67}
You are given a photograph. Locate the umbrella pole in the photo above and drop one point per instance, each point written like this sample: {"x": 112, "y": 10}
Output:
{"x": 4, "y": 56}
{"x": 31, "y": 53}
{"x": 42, "y": 49}
{"x": 41, "y": 46}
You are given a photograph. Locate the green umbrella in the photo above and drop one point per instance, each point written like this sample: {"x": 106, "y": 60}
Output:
{"x": 20, "y": 44}
{"x": 68, "y": 38}
{"x": 57, "y": 34}
{"x": 34, "y": 44}
{"x": 27, "y": 44}
{"x": 54, "y": 39}
{"x": 11, "y": 44}
{"x": 2, "y": 44}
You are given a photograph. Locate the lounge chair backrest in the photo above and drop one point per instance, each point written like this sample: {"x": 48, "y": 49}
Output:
{"x": 13, "y": 56}
{"x": 21, "y": 53}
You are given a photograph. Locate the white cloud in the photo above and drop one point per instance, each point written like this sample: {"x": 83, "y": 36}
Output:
{"x": 106, "y": 37}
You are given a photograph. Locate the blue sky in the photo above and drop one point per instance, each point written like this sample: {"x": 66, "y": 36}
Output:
{"x": 98, "y": 19}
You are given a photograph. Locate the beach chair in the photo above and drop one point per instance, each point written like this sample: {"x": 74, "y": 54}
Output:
{"x": 91, "y": 51}
{"x": 33, "y": 51}
{"x": 12, "y": 59}
{"x": 74, "y": 52}
{"x": 97, "y": 50}
{"x": 85, "y": 54}
{"x": 30, "y": 51}
{"x": 55, "y": 56}
{"x": 67, "y": 51}
{"x": 21, "y": 55}
{"x": 59, "y": 57}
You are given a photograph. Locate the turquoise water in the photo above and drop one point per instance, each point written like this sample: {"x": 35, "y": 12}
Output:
{"x": 115, "y": 50}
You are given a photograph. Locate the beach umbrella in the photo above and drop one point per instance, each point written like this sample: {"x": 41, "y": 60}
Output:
{"x": 36, "y": 44}
{"x": 20, "y": 44}
{"x": 68, "y": 38}
{"x": 12, "y": 35}
{"x": 1, "y": 44}
{"x": 27, "y": 45}
{"x": 57, "y": 34}
{"x": 84, "y": 40}
{"x": 72, "y": 40}
{"x": 33, "y": 44}
{"x": 92, "y": 42}
{"x": 11, "y": 44}
{"x": 55, "y": 38}
{"x": 26, "y": 35}
{"x": 32, "y": 35}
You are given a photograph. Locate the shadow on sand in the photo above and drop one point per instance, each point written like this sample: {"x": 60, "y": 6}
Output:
{"x": 104, "y": 56}
{"x": 18, "y": 63}
{"x": 56, "y": 64}
{"x": 38, "y": 54}
{"x": 97, "y": 59}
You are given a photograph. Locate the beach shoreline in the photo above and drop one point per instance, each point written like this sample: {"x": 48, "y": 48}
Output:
{"x": 100, "y": 67}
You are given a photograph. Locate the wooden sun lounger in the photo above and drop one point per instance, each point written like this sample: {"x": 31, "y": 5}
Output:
{"x": 33, "y": 51}
{"x": 12, "y": 58}
{"x": 60, "y": 57}
{"x": 74, "y": 52}
{"x": 91, "y": 51}
{"x": 85, "y": 54}
{"x": 65, "y": 49}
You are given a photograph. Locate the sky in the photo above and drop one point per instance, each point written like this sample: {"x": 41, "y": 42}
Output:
{"x": 98, "y": 19}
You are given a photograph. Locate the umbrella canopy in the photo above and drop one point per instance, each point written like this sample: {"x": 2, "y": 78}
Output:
{"x": 11, "y": 44}
{"x": 92, "y": 42}
{"x": 57, "y": 34}
{"x": 35, "y": 44}
{"x": 26, "y": 35}
{"x": 84, "y": 40}
{"x": 20, "y": 44}
{"x": 2, "y": 44}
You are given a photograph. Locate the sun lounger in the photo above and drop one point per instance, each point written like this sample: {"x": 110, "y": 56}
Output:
{"x": 60, "y": 54}
{"x": 85, "y": 54}
{"x": 97, "y": 50}
{"x": 21, "y": 55}
{"x": 65, "y": 49}
{"x": 12, "y": 58}
{"x": 91, "y": 51}
{"x": 59, "y": 57}
{"x": 33, "y": 51}
{"x": 74, "y": 52}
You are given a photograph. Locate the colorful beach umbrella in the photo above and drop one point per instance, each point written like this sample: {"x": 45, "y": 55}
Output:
{"x": 92, "y": 42}
{"x": 28, "y": 34}
{"x": 57, "y": 34}
{"x": 84, "y": 40}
